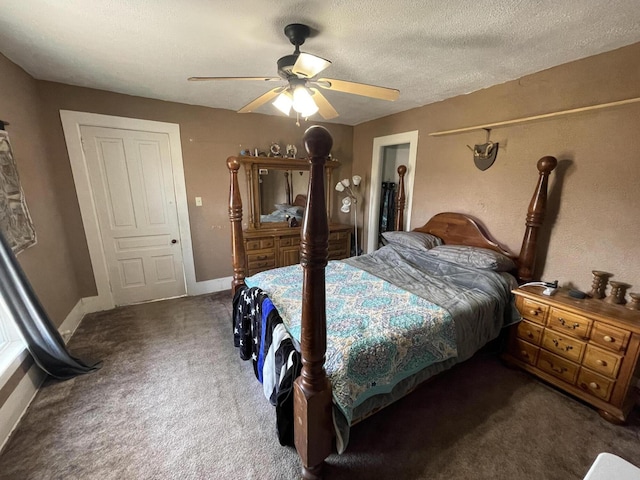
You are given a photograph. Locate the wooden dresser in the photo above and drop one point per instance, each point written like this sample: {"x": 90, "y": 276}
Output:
{"x": 279, "y": 247}
{"x": 587, "y": 347}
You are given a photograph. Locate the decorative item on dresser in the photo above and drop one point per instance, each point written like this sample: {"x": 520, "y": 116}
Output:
{"x": 586, "y": 347}
{"x": 305, "y": 299}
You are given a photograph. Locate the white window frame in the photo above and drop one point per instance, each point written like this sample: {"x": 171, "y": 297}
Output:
{"x": 12, "y": 347}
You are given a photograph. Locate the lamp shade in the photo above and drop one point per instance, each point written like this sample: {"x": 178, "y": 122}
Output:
{"x": 283, "y": 102}
{"x": 303, "y": 102}
{"x": 339, "y": 187}
{"x": 356, "y": 179}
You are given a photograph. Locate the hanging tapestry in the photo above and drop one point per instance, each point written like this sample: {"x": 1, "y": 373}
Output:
{"x": 15, "y": 221}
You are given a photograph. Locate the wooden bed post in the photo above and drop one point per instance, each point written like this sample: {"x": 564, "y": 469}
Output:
{"x": 235, "y": 215}
{"x": 535, "y": 217}
{"x": 400, "y": 199}
{"x": 313, "y": 431}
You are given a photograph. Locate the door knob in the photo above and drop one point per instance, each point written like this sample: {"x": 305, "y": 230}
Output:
{"x": 174, "y": 241}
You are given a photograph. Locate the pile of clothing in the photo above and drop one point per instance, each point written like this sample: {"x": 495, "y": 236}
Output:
{"x": 260, "y": 336}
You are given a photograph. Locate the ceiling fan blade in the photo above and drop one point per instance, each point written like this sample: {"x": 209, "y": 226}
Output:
{"x": 261, "y": 100}
{"x": 373, "y": 91}
{"x": 308, "y": 65}
{"x": 324, "y": 107}
{"x": 263, "y": 79}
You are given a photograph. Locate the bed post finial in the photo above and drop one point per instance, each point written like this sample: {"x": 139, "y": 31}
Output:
{"x": 535, "y": 217}
{"x": 400, "y": 199}
{"x": 235, "y": 216}
{"x": 313, "y": 430}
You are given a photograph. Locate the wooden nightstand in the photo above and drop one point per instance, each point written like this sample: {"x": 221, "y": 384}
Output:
{"x": 586, "y": 347}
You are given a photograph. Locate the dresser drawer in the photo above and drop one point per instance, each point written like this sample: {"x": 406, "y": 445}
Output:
{"x": 260, "y": 244}
{"x": 532, "y": 310}
{"x": 531, "y": 332}
{"x": 557, "y": 366}
{"x": 262, "y": 264}
{"x": 252, "y": 257}
{"x": 338, "y": 235}
{"x": 602, "y": 361}
{"x": 569, "y": 323}
{"x": 563, "y": 345}
{"x": 610, "y": 337}
{"x": 289, "y": 241}
{"x": 524, "y": 351}
{"x": 595, "y": 384}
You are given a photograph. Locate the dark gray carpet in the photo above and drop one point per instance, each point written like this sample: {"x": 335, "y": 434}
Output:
{"x": 174, "y": 401}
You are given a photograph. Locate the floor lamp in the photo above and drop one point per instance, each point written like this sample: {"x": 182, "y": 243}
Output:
{"x": 350, "y": 188}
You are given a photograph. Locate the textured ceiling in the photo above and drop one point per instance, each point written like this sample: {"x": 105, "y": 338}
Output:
{"x": 428, "y": 49}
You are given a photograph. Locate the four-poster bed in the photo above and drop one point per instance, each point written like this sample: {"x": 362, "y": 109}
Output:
{"x": 313, "y": 418}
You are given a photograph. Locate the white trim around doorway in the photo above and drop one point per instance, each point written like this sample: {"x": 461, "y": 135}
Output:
{"x": 71, "y": 122}
{"x": 379, "y": 143}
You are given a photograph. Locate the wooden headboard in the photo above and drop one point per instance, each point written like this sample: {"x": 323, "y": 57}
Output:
{"x": 461, "y": 229}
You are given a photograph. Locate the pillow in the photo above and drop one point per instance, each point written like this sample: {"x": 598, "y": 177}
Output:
{"x": 474, "y": 257}
{"x": 282, "y": 207}
{"x": 295, "y": 211}
{"x": 418, "y": 240}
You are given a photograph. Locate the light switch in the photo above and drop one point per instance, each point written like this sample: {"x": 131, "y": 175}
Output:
{"x": 198, "y": 201}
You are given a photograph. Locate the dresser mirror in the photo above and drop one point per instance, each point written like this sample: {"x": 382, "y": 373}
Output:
{"x": 277, "y": 190}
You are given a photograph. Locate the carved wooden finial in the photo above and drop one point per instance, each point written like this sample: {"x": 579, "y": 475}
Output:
{"x": 235, "y": 216}
{"x": 400, "y": 199}
{"x": 547, "y": 164}
{"x": 312, "y": 390}
{"x": 535, "y": 217}
{"x": 318, "y": 141}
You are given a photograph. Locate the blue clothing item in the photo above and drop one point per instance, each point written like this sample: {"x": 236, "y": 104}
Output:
{"x": 267, "y": 307}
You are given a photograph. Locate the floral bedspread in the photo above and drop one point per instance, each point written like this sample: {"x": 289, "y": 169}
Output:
{"x": 377, "y": 333}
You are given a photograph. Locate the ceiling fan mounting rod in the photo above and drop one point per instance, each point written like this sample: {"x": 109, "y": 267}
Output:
{"x": 297, "y": 33}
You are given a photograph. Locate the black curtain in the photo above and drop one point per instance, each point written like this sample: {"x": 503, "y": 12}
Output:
{"x": 387, "y": 207}
{"x": 43, "y": 340}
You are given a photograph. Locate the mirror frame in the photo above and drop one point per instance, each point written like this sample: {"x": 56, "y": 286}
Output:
{"x": 252, "y": 166}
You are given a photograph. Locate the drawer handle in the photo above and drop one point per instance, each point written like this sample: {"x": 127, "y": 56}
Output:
{"x": 594, "y": 386}
{"x": 529, "y": 334}
{"x": 556, "y": 369}
{"x": 601, "y": 363}
{"x": 534, "y": 312}
{"x": 607, "y": 338}
{"x": 563, "y": 322}
{"x": 557, "y": 344}
{"x": 524, "y": 353}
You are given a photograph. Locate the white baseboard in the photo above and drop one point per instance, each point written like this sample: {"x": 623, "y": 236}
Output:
{"x": 18, "y": 401}
{"x": 210, "y": 286}
{"x": 16, "y": 405}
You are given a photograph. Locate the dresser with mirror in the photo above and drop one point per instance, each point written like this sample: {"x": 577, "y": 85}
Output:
{"x": 276, "y": 197}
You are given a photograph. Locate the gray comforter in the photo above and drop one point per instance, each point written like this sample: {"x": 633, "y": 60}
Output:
{"x": 478, "y": 300}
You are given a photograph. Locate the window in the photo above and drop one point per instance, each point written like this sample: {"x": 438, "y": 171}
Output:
{"x": 12, "y": 346}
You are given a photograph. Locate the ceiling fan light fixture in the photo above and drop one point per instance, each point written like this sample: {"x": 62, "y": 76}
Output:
{"x": 303, "y": 102}
{"x": 284, "y": 102}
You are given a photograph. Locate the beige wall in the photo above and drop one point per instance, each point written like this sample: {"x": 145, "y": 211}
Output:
{"x": 48, "y": 264}
{"x": 592, "y": 220}
{"x": 209, "y": 136}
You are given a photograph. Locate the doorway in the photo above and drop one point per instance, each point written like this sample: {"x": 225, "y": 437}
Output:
{"x": 388, "y": 153}
{"x": 157, "y": 198}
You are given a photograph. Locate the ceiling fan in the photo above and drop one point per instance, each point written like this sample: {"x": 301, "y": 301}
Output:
{"x": 302, "y": 90}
